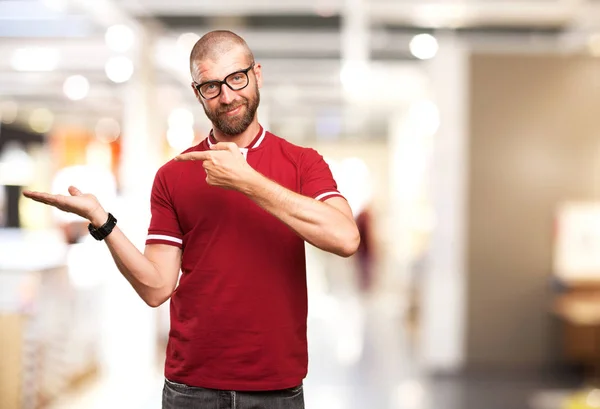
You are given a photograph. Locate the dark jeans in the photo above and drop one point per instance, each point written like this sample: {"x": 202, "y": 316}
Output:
{"x": 179, "y": 396}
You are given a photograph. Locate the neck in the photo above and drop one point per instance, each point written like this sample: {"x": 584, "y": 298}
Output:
{"x": 243, "y": 139}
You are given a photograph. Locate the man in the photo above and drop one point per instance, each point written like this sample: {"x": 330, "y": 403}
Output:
{"x": 232, "y": 213}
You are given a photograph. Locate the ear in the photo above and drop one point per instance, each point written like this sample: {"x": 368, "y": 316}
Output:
{"x": 258, "y": 74}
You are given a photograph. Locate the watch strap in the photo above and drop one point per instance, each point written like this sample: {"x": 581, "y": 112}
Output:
{"x": 101, "y": 232}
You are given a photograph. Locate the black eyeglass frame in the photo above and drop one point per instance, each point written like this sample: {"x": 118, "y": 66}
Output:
{"x": 220, "y": 83}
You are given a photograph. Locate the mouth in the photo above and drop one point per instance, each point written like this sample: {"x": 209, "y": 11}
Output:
{"x": 232, "y": 111}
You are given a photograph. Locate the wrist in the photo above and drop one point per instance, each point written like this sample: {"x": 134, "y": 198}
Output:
{"x": 249, "y": 184}
{"x": 98, "y": 217}
{"x": 100, "y": 233}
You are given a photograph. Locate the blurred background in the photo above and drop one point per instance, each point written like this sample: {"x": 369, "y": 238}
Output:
{"x": 465, "y": 135}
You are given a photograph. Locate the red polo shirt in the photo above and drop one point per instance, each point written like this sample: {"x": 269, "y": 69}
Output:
{"x": 238, "y": 315}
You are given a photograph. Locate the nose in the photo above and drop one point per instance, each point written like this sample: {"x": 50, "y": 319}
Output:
{"x": 227, "y": 95}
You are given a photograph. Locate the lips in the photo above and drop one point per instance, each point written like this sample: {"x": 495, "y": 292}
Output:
{"x": 231, "y": 111}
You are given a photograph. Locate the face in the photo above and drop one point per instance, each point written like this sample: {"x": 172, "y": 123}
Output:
{"x": 232, "y": 111}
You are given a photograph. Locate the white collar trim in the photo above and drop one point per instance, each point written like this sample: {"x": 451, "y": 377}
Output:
{"x": 256, "y": 144}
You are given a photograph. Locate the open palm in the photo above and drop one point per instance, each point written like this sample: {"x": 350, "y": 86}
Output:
{"x": 81, "y": 204}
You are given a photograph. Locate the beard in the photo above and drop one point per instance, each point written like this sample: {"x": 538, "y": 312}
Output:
{"x": 234, "y": 125}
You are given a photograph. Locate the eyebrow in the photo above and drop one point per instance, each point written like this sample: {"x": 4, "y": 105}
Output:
{"x": 216, "y": 80}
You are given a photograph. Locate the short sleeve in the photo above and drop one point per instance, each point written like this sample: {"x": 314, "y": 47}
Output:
{"x": 164, "y": 225}
{"x": 316, "y": 179}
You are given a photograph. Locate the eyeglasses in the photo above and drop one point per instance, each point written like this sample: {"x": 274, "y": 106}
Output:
{"x": 235, "y": 81}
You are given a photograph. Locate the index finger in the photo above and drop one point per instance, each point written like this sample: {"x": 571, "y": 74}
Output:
{"x": 225, "y": 146}
{"x": 204, "y": 155}
{"x": 42, "y": 197}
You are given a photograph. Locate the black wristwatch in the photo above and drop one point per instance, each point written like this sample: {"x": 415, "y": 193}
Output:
{"x": 101, "y": 232}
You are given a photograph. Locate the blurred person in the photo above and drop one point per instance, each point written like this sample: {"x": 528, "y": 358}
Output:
{"x": 231, "y": 213}
{"x": 3, "y": 206}
{"x": 365, "y": 253}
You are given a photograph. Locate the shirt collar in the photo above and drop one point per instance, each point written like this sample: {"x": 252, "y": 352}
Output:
{"x": 256, "y": 142}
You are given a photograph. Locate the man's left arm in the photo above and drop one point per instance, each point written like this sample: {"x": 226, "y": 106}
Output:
{"x": 327, "y": 225}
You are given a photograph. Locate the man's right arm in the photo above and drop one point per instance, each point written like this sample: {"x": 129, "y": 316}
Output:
{"x": 153, "y": 274}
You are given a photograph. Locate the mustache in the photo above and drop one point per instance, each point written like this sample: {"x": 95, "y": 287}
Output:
{"x": 230, "y": 107}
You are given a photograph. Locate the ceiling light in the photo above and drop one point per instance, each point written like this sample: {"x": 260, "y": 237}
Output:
{"x": 16, "y": 166}
{"x": 181, "y": 118}
{"x": 57, "y": 5}
{"x": 180, "y": 138}
{"x": 41, "y": 120}
{"x": 119, "y": 69}
{"x": 441, "y": 15}
{"x": 186, "y": 42}
{"x": 424, "y": 46}
{"x": 119, "y": 38}
{"x": 424, "y": 117}
{"x": 76, "y": 87}
{"x": 35, "y": 59}
{"x": 354, "y": 75}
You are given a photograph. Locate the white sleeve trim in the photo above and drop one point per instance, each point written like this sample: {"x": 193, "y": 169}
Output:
{"x": 161, "y": 237}
{"x": 322, "y": 195}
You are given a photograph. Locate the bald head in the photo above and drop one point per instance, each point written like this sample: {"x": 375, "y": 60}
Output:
{"x": 216, "y": 43}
